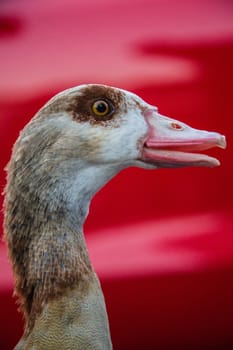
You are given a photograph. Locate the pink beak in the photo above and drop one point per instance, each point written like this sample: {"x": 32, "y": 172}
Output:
{"x": 170, "y": 143}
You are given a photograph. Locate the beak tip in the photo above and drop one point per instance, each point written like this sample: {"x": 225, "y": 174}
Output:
{"x": 222, "y": 142}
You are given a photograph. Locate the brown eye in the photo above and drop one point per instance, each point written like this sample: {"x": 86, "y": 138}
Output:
{"x": 101, "y": 108}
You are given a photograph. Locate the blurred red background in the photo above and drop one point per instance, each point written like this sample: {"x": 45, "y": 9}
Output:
{"x": 161, "y": 241}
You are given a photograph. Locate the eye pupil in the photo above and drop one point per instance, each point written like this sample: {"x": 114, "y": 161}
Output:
{"x": 101, "y": 107}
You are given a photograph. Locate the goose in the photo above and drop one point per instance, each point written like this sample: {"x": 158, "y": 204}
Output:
{"x": 74, "y": 145}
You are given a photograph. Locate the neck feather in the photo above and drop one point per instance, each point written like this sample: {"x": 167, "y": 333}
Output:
{"x": 44, "y": 215}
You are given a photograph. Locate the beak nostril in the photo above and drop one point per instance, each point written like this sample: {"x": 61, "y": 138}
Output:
{"x": 176, "y": 126}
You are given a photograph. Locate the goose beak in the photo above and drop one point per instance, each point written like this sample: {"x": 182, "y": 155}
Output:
{"x": 171, "y": 143}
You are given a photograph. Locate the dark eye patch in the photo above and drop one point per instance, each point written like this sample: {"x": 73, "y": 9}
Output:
{"x": 90, "y": 95}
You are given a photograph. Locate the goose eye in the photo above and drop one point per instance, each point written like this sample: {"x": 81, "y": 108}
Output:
{"x": 101, "y": 108}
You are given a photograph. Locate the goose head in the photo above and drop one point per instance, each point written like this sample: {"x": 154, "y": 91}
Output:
{"x": 85, "y": 135}
{"x": 95, "y": 131}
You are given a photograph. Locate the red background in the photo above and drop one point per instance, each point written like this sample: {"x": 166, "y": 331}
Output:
{"x": 161, "y": 241}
